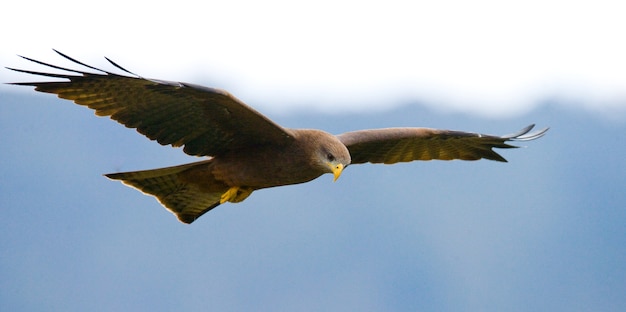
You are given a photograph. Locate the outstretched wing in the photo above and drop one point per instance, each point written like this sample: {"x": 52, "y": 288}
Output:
{"x": 206, "y": 121}
{"x": 392, "y": 145}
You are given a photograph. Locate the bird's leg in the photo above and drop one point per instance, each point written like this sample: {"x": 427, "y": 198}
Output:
{"x": 236, "y": 194}
{"x": 229, "y": 195}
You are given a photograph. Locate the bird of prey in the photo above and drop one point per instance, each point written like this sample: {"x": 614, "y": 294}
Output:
{"x": 246, "y": 151}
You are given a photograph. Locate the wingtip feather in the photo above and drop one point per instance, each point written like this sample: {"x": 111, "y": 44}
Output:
{"x": 525, "y": 134}
{"x": 120, "y": 67}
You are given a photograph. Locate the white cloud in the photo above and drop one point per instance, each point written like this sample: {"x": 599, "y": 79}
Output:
{"x": 486, "y": 57}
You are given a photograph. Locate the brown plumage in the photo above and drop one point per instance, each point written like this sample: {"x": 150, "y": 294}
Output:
{"x": 247, "y": 150}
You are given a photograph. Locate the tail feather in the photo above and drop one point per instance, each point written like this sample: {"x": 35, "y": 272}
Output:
{"x": 185, "y": 200}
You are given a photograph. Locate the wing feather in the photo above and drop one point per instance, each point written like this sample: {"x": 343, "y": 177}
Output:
{"x": 393, "y": 145}
{"x": 206, "y": 121}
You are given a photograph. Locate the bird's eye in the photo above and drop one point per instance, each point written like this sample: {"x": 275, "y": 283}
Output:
{"x": 330, "y": 157}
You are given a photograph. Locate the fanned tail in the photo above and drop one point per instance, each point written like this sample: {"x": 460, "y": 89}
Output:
{"x": 185, "y": 200}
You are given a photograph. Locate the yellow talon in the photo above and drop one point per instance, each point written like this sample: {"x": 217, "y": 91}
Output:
{"x": 229, "y": 195}
{"x": 236, "y": 194}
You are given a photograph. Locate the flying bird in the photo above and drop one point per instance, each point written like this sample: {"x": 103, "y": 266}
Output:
{"x": 246, "y": 151}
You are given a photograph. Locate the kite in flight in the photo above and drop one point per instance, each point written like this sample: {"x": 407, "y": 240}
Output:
{"x": 247, "y": 150}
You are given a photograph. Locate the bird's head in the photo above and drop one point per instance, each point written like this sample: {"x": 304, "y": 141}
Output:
{"x": 333, "y": 157}
{"x": 326, "y": 154}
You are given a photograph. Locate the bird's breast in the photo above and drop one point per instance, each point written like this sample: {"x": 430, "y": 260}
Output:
{"x": 265, "y": 167}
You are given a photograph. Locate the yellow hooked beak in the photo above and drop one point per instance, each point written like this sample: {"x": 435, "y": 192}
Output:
{"x": 336, "y": 169}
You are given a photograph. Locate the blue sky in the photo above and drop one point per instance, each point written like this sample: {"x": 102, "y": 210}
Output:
{"x": 542, "y": 232}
